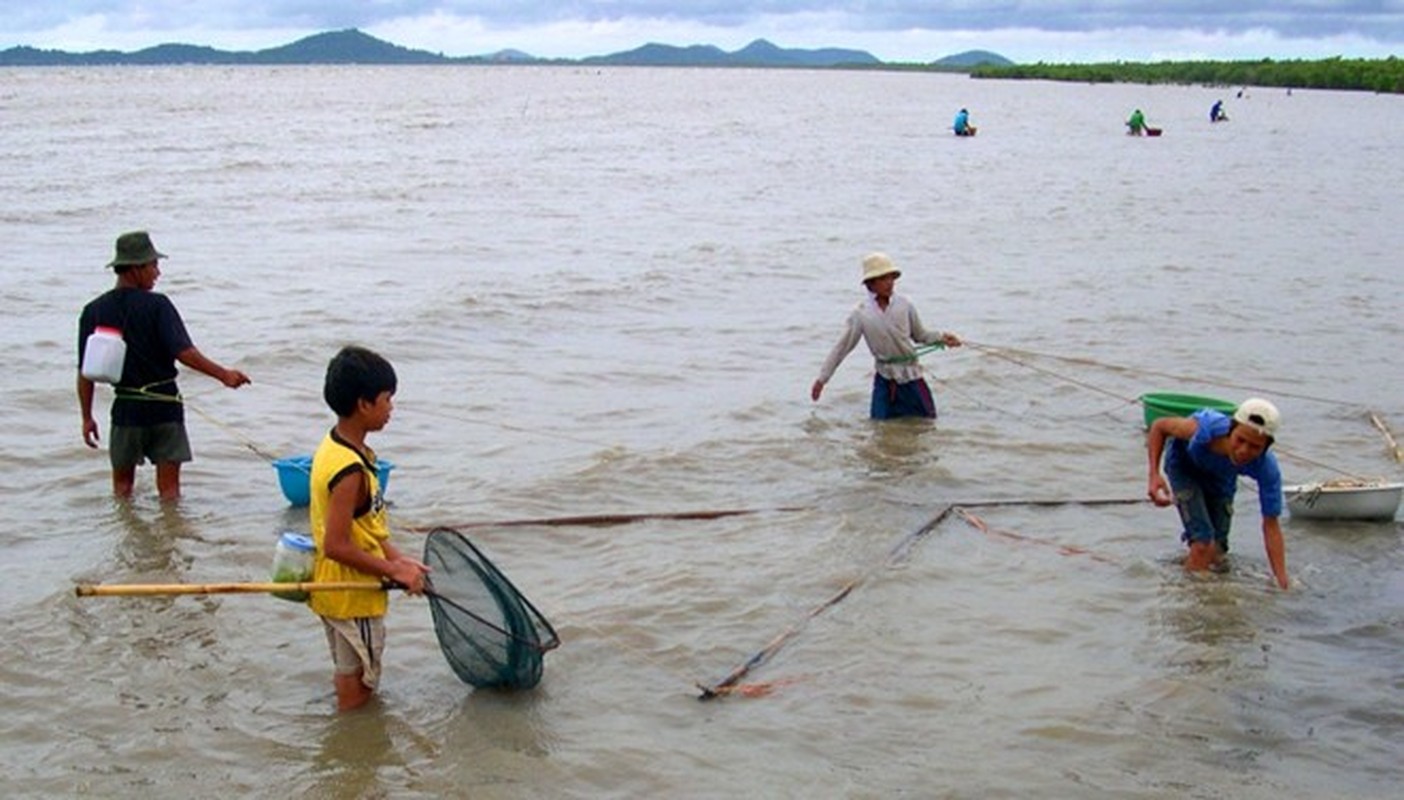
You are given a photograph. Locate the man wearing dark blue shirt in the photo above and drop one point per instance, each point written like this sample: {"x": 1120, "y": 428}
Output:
{"x": 148, "y": 416}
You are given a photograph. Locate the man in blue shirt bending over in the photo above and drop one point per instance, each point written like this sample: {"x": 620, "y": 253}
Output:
{"x": 1207, "y": 452}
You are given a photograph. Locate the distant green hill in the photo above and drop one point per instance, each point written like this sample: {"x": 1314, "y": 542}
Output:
{"x": 974, "y": 58}
{"x": 344, "y": 47}
{"x": 763, "y": 52}
{"x": 759, "y": 53}
{"x": 662, "y": 55}
{"x": 335, "y": 47}
{"x": 352, "y": 46}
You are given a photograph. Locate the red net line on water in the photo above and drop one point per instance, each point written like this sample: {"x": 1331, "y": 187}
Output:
{"x": 731, "y": 684}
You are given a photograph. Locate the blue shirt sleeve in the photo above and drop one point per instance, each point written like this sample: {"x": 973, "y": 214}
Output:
{"x": 1265, "y": 471}
{"x": 1210, "y": 424}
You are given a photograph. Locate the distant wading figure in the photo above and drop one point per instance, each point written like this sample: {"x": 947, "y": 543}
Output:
{"x": 1136, "y": 125}
{"x": 962, "y": 126}
{"x": 891, "y": 327}
{"x": 148, "y": 417}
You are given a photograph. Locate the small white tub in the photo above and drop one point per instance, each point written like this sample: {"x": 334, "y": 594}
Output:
{"x": 1376, "y": 500}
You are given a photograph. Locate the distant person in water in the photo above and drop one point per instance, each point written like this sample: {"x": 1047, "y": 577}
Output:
{"x": 962, "y": 126}
{"x": 1136, "y": 125}
{"x": 1216, "y": 112}
{"x": 891, "y": 327}
{"x": 1204, "y": 454}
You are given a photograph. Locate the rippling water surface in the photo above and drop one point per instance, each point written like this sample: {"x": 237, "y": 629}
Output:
{"x": 607, "y": 292}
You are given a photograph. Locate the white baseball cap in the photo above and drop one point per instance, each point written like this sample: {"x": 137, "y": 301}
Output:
{"x": 1259, "y": 414}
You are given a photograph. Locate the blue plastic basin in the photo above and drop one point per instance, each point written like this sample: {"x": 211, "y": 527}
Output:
{"x": 295, "y": 477}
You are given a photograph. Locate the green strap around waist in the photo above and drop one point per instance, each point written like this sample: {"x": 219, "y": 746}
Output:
{"x": 144, "y": 393}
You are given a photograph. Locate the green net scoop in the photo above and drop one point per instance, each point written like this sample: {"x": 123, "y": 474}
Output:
{"x": 491, "y": 635}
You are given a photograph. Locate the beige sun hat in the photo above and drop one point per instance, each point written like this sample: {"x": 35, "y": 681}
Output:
{"x": 877, "y": 265}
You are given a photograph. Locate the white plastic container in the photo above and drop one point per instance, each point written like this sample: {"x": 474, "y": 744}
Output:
{"x": 292, "y": 563}
{"x": 103, "y": 355}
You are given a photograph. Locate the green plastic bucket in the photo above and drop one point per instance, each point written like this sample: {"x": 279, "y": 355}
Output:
{"x": 1170, "y": 404}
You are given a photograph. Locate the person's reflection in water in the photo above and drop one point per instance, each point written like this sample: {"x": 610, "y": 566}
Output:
{"x": 149, "y": 546}
{"x": 899, "y": 447}
{"x": 1211, "y": 616}
{"x": 506, "y": 736}
{"x": 356, "y": 751}
{"x": 160, "y": 628}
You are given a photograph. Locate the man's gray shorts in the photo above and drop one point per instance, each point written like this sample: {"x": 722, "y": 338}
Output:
{"x": 159, "y": 444}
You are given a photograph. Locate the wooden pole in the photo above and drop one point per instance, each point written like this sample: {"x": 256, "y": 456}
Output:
{"x": 160, "y": 589}
{"x": 1389, "y": 437}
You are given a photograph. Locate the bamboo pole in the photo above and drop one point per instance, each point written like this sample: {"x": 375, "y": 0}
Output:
{"x": 1389, "y": 437}
{"x": 161, "y": 589}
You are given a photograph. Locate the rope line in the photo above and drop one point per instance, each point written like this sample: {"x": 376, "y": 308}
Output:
{"x": 413, "y": 408}
{"x": 1000, "y": 353}
{"x": 1064, "y": 549}
{"x": 1293, "y": 455}
{"x": 1084, "y": 361}
{"x": 916, "y": 353}
{"x": 607, "y": 520}
{"x": 727, "y": 684}
{"x": 233, "y": 433}
{"x": 1278, "y": 448}
{"x": 730, "y": 683}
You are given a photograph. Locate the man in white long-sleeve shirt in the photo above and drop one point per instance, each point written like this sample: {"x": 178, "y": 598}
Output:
{"x": 892, "y": 329}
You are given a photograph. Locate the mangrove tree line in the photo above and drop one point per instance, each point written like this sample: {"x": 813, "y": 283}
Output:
{"x": 1370, "y": 75}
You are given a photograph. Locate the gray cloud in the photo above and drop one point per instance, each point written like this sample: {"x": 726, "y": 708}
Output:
{"x": 1378, "y": 21}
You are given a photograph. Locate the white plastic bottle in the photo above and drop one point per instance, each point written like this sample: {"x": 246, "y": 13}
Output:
{"x": 103, "y": 355}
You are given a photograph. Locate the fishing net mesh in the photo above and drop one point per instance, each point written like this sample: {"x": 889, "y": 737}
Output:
{"x": 491, "y": 635}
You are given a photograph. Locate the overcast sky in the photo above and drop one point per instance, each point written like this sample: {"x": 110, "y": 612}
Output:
{"x": 892, "y": 30}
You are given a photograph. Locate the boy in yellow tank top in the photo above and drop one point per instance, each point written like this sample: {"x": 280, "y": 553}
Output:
{"x": 349, "y": 524}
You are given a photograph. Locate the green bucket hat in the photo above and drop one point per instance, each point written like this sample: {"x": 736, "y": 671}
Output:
{"x": 135, "y": 248}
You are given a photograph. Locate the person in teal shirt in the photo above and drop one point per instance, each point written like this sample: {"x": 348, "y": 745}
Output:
{"x": 1136, "y": 125}
{"x": 962, "y": 126}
